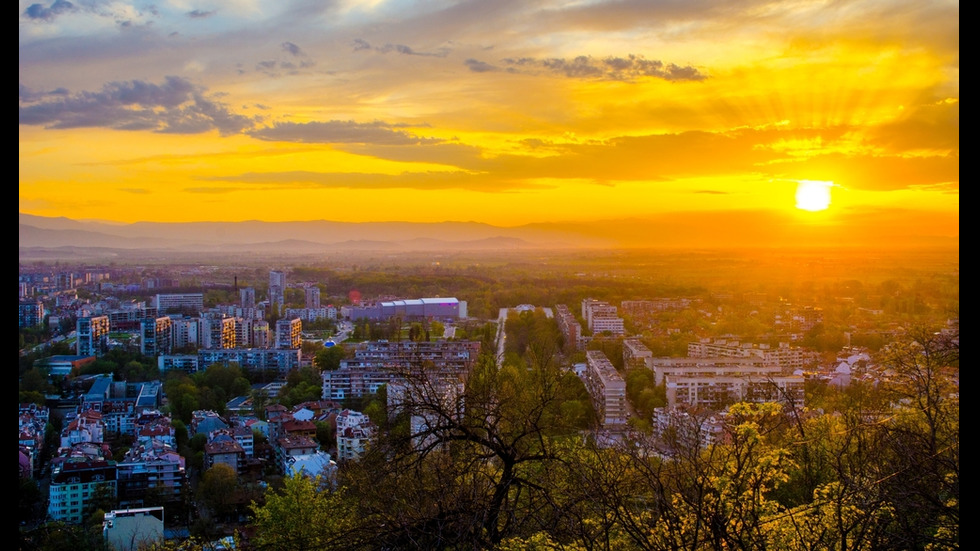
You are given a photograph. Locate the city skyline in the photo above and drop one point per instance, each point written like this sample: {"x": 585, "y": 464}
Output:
{"x": 500, "y": 113}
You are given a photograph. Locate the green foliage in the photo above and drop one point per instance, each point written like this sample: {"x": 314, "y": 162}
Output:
{"x": 217, "y": 490}
{"x": 328, "y": 359}
{"x": 303, "y": 515}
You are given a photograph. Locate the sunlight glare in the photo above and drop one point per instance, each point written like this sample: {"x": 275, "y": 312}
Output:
{"x": 813, "y": 195}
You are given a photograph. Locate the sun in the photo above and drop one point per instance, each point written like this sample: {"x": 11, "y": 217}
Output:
{"x": 813, "y": 195}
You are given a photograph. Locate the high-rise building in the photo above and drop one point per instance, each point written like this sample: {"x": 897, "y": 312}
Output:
{"x": 260, "y": 334}
{"x": 93, "y": 335}
{"x": 31, "y": 313}
{"x": 156, "y": 336}
{"x": 569, "y": 327}
{"x": 218, "y": 332}
{"x": 186, "y": 332}
{"x": 607, "y": 388}
{"x": 312, "y": 297}
{"x": 277, "y": 289}
{"x": 248, "y": 297}
{"x": 289, "y": 333}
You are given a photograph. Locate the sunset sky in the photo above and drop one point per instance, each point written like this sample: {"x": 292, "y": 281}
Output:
{"x": 501, "y": 112}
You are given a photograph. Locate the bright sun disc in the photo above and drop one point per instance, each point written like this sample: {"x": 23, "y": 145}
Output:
{"x": 813, "y": 195}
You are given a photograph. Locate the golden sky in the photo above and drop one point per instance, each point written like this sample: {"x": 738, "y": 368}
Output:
{"x": 504, "y": 112}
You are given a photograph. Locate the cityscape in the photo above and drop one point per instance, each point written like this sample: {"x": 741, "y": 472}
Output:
{"x": 170, "y": 401}
{"x": 455, "y": 275}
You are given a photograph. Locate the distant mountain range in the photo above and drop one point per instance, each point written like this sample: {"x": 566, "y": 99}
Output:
{"x": 53, "y": 237}
{"x": 38, "y": 232}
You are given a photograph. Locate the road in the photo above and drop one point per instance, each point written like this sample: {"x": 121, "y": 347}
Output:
{"x": 501, "y": 336}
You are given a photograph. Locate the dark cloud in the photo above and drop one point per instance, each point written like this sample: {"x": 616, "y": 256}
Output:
{"x": 628, "y": 68}
{"x": 360, "y": 44}
{"x": 199, "y": 14}
{"x": 277, "y": 67}
{"x": 38, "y": 11}
{"x": 174, "y": 106}
{"x": 349, "y": 132}
{"x": 480, "y": 66}
{"x": 292, "y": 48}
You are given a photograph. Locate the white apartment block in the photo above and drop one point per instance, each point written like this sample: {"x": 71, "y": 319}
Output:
{"x": 166, "y": 302}
{"x": 710, "y": 367}
{"x": 717, "y": 392}
{"x": 601, "y": 316}
{"x": 312, "y": 314}
{"x": 354, "y": 433}
{"x": 701, "y": 429}
{"x": 607, "y": 388}
{"x": 186, "y": 332}
{"x": 378, "y": 363}
{"x": 788, "y": 358}
{"x": 636, "y": 354}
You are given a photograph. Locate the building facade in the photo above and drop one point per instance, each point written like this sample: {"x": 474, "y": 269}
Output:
{"x": 92, "y": 336}
{"x": 607, "y": 389}
{"x": 289, "y": 333}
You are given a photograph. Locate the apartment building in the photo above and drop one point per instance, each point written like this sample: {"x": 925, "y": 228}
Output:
{"x": 786, "y": 357}
{"x": 183, "y": 301}
{"x": 289, "y": 333}
{"x": 636, "y": 354}
{"x": 31, "y": 313}
{"x": 92, "y": 335}
{"x": 312, "y": 293}
{"x": 717, "y": 392}
{"x": 600, "y": 317}
{"x": 156, "y": 336}
{"x": 569, "y": 327}
{"x": 218, "y": 332}
{"x": 377, "y": 363}
{"x": 277, "y": 288}
{"x": 252, "y": 359}
{"x": 75, "y": 482}
{"x": 150, "y": 467}
{"x": 607, "y": 389}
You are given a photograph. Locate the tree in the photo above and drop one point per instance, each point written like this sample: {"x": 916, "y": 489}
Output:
{"x": 217, "y": 490}
{"x": 922, "y": 442}
{"x": 328, "y": 359}
{"x": 303, "y": 515}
